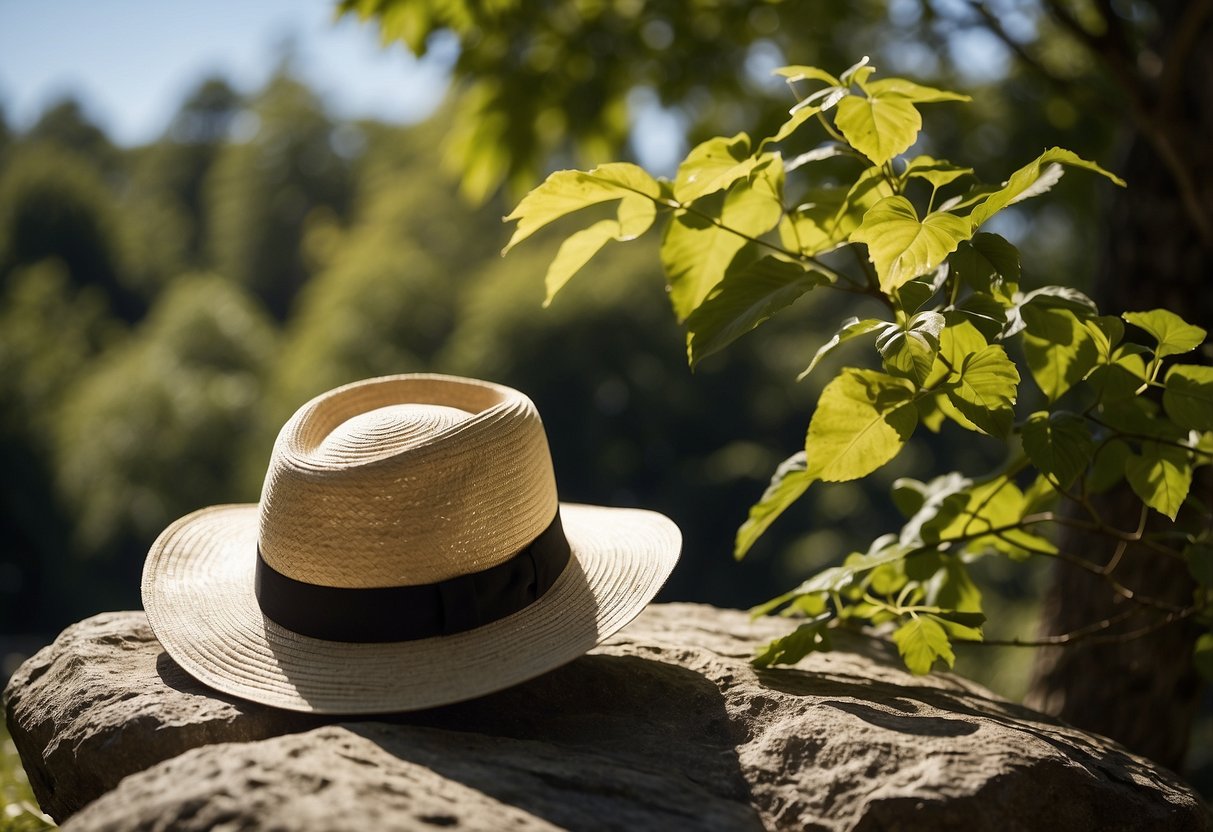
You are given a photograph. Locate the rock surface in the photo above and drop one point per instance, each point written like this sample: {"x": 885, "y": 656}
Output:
{"x": 664, "y": 726}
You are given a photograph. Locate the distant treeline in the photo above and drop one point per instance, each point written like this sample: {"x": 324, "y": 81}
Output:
{"x": 163, "y": 309}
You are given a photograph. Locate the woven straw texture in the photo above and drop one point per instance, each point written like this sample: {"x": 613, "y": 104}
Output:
{"x": 398, "y": 481}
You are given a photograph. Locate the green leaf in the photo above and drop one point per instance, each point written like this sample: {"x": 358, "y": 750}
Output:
{"x": 995, "y": 504}
{"x": 1161, "y": 476}
{"x": 1059, "y": 350}
{"x": 635, "y": 216}
{"x": 851, "y": 328}
{"x": 935, "y": 171}
{"x": 1047, "y": 297}
{"x": 713, "y": 166}
{"x": 1140, "y": 415}
{"x": 869, "y": 189}
{"x": 787, "y": 484}
{"x": 567, "y": 191}
{"x": 744, "y": 299}
{"x": 880, "y": 126}
{"x": 909, "y": 351}
{"x": 962, "y": 626}
{"x": 800, "y": 114}
{"x": 1031, "y": 180}
{"x": 1174, "y": 335}
{"x": 952, "y": 588}
{"x": 988, "y": 263}
{"x": 696, "y": 251}
{"x": 863, "y": 420}
{"x": 922, "y": 640}
{"x": 813, "y": 227}
{"x": 985, "y": 313}
{"x": 1108, "y": 466}
{"x": 809, "y": 637}
{"x": 940, "y": 503}
{"x": 1202, "y": 656}
{"x": 1059, "y": 444}
{"x": 828, "y": 150}
{"x": 1188, "y": 398}
{"x": 986, "y": 391}
{"x": 914, "y": 294}
{"x": 1200, "y": 562}
{"x": 901, "y": 246}
{"x": 798, "y": 72}
{"x": 914, "y": 92}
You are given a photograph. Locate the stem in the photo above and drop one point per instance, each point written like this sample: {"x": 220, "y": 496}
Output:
{"x": 1123, "y": 545}
{"x": 1089, "y": 634}
{"x": 1087, "y": 566}
{"x": 829, "y": 128}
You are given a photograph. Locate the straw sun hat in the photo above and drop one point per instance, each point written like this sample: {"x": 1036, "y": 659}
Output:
{"x": 409, "y": 550}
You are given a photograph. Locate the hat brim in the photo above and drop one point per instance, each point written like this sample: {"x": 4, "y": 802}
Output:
{"x": 199, "y": 597}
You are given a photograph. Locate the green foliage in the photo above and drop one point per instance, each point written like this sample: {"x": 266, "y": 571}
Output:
{"x": 747, "y": 233}
{"x": 177, "y": 397}
{"x": 55, "y": 203}
{"x": 262, "y": 194}
{"x": 19, "y": 810}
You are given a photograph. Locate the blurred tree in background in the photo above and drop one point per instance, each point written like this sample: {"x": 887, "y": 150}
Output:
{"x": 262, "y": 192}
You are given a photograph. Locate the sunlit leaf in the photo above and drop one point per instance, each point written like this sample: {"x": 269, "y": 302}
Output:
{"x": 787, "y": 484}
{"x": 903, "y": 247}
{"x": 935, "y": 171}
{"x": 863, "y": 419}
{"x": 1161, "y": 476}
{"x": 935, "y": 505}
{"x": 869, "y": 189}
{"x": 744, "y": 299}
{"x": 1174, "y": 335}
{"x": 909, "y": 351}
{"x": 851, "y": 328}
{"x": 634, "y": 217}
{"x": 813, "y": 227}
{"x": 1031, "y": 180}
{"x": 986, "y": 391}
{"x": 920, "y": 641}
{"x": 1059, "y": 350}
{"x": 798, "y": 72}
{"x": 878, "y": 126}
{"x": 952, "y": 588}
{"x": 713, "y": 166}
{"x": 826, "y": 151}
{"x": 567, "y": 191}
{"x": 697, "y": 251}
{"x": 914, "y": 92}
{"x": 809, "y": 637}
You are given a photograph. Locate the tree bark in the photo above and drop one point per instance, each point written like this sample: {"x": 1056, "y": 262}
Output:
{"x": 1158, "y": 253}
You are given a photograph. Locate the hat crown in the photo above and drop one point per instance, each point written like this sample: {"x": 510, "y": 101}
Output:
{"x": 405, "y": 480}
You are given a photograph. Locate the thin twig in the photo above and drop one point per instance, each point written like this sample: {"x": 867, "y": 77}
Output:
{"x": 1123, "y": 545}
{"x": 1087, "y": 566}
{"x": 1066, "y": 639}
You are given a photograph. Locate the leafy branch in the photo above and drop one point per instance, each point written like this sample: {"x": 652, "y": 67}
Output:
{"x": 746, "y": 235}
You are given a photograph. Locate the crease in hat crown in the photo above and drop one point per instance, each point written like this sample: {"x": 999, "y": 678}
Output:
{"x": 405, "y": 480}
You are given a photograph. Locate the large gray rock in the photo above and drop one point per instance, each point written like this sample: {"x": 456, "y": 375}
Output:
{"x": 664, "y": 726}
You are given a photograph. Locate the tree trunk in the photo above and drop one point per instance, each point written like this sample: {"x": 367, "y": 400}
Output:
{"x": 1159, "y": 253}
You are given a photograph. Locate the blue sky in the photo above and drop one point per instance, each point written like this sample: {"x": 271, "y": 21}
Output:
{"x": 132, "y": 62}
